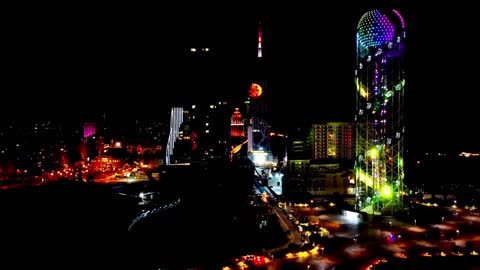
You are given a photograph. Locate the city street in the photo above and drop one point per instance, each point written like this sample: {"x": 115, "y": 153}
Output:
{"x": 363, "y": 244}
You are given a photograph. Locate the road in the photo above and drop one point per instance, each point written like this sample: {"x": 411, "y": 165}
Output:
{"x": 295, "y": 236}
{"x": 390, "y": 238}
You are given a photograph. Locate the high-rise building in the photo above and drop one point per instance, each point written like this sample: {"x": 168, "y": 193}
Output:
{"x": 199, "y": 132}
{"x": 236, "y": 124}
{"x": 380, "y": 83}
{"x": 333, "y": 140}
{"x": 150, "y": 132}
{"x": 213, "y": 130}
{"x": 237, "y": 134}
{"x": 89, "y": 129}
{"x": 257, "y": 127}
{"x": 176, "y": 119}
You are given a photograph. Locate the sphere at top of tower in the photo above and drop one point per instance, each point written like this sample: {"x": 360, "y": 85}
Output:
{"x": 378, "y": 27}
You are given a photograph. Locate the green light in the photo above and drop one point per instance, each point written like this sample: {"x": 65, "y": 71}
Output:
{"x": 373, "y": 153}
{"x": 386, "y": 191}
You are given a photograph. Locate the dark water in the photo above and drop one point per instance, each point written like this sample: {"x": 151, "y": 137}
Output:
{"x": 82, "y": 226}
{"x": 87, "y": 226}
{"x": 60, "y": 225}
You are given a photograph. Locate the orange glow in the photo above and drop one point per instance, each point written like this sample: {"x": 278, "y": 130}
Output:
{"x": 255, "y": 90}
{"x": 237, "y": 148}
{"x": 466, "y": 154}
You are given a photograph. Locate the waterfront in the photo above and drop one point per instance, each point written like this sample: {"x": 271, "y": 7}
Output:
{"x": 66, "y": 223}
{"x": 86, "y": 224}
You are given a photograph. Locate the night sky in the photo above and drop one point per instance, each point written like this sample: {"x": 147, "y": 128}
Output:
{"x": 80, "y": 60}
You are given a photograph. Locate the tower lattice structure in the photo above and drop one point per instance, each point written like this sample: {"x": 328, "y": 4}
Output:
{"x": 379, "y": 119}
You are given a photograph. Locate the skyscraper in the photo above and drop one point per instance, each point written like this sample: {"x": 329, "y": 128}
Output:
{"x": 176, "y": 120}
{"x": 257, "y": 127}
{"x": 380, "y": 83}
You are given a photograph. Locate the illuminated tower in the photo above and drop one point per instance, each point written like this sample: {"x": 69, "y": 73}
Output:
{"x": 257, "y": 126}
{"x": 380, "y": 82}
{"x": 236, "y": 124}
{"x": 258, "y": 140}
{"x": 237, "y": 133}
{"x": 259, "y": 47}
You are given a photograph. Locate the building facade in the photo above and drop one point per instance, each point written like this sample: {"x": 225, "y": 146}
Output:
{"x": 333, "y": 140}
{"x": 319, "y": 179}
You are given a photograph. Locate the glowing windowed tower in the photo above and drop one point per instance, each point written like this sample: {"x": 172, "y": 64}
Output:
{"x": 380, "y": 82}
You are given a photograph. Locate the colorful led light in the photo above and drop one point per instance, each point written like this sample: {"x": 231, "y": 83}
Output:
{"x": 375, "y": 29}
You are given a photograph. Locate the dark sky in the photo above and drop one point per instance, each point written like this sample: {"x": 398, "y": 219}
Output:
{"x": 76, "y": 60}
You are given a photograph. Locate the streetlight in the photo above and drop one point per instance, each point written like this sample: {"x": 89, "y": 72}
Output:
{"x": 415, "y": 222}
{"x": 458, "y": 233}
{"x": 322, "y": 248}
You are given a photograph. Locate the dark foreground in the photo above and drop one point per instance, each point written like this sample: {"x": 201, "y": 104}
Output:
{"x": 67, "y": 225}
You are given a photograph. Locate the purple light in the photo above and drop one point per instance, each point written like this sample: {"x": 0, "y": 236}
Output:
{"x": 375, "y": 29}
{"x": 400, "y": 17}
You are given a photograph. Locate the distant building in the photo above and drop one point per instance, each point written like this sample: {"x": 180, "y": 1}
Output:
{"x": 325, "y": 141}
{"x": 299, "y": 143}
{"x": 199, "y": 132}
{"x": 33, "y": 146}
{"x": 320, "y": 160}
{"x": 333, "y": 140}
{"x": 176, "y": 119}
{"x": 319, "y": 180}
{"x": 106, "y": 163}
{"x": 238, "y": 139}
{"x": 330, "y": 179}
{"x": 89, "y": 129}
{"x": 150, "y": 133}
{"x": 237, "y": 125}
{"x": 83, "y": 149}
{"x": 278, "y": 143}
